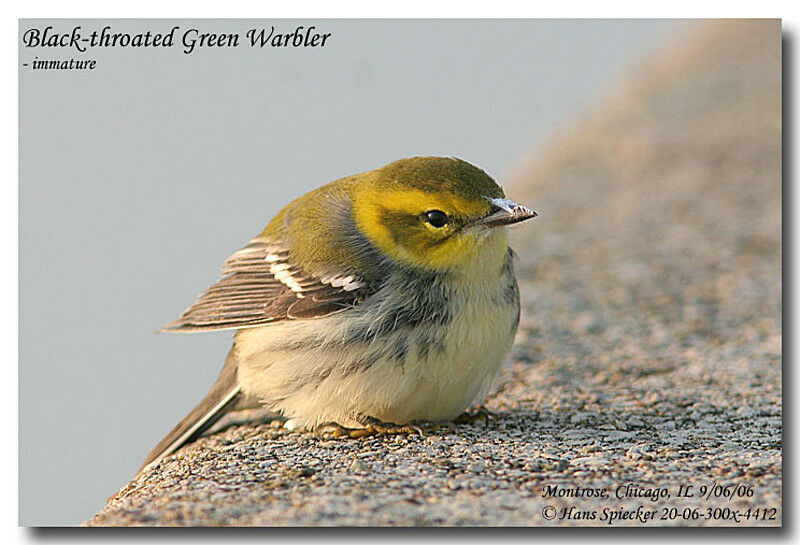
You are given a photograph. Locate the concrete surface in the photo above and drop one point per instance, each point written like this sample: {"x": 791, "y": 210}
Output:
{"x": 649, "y": 355}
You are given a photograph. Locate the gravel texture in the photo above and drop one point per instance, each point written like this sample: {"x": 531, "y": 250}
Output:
{"x": 648, "y": 358}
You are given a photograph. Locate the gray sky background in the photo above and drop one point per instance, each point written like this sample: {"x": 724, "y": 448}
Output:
{"x": 139, "y": 178}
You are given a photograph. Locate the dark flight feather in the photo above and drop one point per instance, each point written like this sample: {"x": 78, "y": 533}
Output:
{"x": 260, "y": 285}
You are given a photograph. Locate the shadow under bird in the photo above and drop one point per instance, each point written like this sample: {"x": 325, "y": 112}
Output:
{"x": 376, "y": 300}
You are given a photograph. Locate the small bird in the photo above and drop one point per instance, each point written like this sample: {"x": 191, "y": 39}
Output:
{"x": 374, "y": 301}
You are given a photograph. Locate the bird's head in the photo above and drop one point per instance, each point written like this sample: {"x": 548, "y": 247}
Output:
{"x": 434, "y": 212}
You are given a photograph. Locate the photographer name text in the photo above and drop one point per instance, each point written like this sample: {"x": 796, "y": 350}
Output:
{"x": 712, "y": 502}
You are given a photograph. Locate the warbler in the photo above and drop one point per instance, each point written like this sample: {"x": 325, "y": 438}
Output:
{"x": 386, "y": 297}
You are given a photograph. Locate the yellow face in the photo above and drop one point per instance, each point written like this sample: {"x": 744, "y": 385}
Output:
{"x": 429, "y": 229}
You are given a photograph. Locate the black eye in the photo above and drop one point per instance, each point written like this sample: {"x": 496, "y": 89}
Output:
{"x": 437, "y": 218}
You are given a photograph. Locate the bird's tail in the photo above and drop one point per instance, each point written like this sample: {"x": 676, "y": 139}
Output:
{"x": 224, "y": 396}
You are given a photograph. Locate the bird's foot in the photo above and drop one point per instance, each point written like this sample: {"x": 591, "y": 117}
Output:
{"x": 337, "y": 431}
{"x": 373, "y": 427}
{"x": 377, "y": 427}
{"x": 478, "y": 413}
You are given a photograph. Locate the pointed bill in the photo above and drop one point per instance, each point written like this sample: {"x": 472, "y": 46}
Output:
{"x": 505, "y": 212}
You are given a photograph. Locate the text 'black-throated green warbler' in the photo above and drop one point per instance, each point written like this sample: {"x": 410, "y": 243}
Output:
{"x": 383, "y": 297}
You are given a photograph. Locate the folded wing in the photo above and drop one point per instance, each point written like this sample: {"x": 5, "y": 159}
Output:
{"x": 260, "y": 285}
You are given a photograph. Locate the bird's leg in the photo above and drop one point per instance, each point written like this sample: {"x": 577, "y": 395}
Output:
{"x": 377, "y": 427}
{"x": 478, "y": 413}
{"x": 419, "y": 427}
{"x": 374, "y": 427}
{"x": 334, "y": 430}
{"x": 337, "y": 431}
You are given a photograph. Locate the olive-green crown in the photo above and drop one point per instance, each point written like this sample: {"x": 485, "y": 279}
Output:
{"x": 448, "y": 174}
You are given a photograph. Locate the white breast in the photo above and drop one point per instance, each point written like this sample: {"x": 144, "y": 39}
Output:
{"x": 312, "y": 370}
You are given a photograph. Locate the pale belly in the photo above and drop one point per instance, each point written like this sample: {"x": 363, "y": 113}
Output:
{"x": 344, "y": 367}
